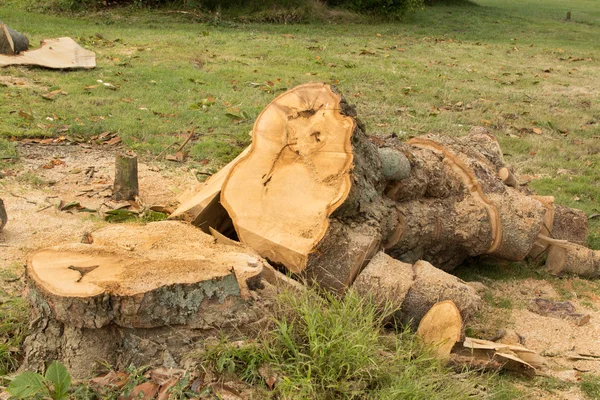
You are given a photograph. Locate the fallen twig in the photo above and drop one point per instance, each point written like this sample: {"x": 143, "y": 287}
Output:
{"x": 22, "y": 197}
{"x": 187, "y": 139}
{"x": 165, "y": 150}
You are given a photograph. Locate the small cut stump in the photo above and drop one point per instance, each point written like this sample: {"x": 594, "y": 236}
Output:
{"x": 137, "y": 281}
{"x": 3, "y": 216}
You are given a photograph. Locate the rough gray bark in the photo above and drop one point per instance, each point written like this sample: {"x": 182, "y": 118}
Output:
{"x": 359, "y": 225}
{"x": 19, "y": 41}
{"x": 126, "y": 176}
{"x": 3, "y": 216}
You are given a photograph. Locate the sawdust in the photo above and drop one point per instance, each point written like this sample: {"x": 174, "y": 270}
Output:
{"x": 556, "y": 339}
{"x": 35, "y": 222}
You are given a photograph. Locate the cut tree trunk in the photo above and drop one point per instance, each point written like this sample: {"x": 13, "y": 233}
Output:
{"x": 407, "y": 292}
{"x": 308, "y": 193}
{"x": 126, "y": 177}
{"x": 316, "y": 195}
{"x": 441, "y": 328}
{"x": 3, "y": 216}
{"x": 570, "y": 258}
{"x": 62, "y": 53}
{"x": 17, "y": 41}
{"x": 138, "y": 280}
{"x": 453, "y": 205}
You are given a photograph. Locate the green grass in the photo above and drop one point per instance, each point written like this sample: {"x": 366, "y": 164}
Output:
{"x": 14, "y": 324}
{"x": 510, "y": 65}
{"x": 590, "y": 385}
{"x": 331, "y": 348}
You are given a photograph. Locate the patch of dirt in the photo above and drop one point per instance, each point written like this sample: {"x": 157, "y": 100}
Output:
{"x": 9, "y": 81}
{"x": 48, "y": 174}
{"x": 555, "y": 338}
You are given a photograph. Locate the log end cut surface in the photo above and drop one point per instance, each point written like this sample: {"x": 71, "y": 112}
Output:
{"x": 295, "y": 175}
{"x": 441, "y": 328}
{"x": 140, "y": 276}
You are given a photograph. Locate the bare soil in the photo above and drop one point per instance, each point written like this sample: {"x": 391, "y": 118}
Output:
{"x": 47, "y": 174}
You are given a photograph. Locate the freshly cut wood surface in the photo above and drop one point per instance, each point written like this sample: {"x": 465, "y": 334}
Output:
{"x": 201, "y": 207}
{"x": 61, "y": 53}
{"x": 441, "y": 328}
{"x": 6, "y": 43}
{"x": 573, "y": 258}
{"x": 295, "y": 175}
{"x": 140, "y": 276}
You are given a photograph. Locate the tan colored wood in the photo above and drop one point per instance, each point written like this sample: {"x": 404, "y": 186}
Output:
{"x": 198, "y": 206}
{"x": 507, "y": 177}
{"x": 296, "y": 174}
{"x": 441, "y": 328}
{"x": 157, "y": 273}
{"x": 61, "y": 53}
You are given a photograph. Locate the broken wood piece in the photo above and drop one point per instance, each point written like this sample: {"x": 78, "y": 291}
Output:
{"x": 202, "y": 207}
{"x": 62, "y": 53}
{"x": 126, "y": 176}
{"x": 508, "y": 356}
{"x": 222, "y": 239}
{"x": 558, "y": 309}
{"x": 3, "y": 216}
{"x": 574, "y": 259}
{"x": 441, "y": 328}
{"x": 507, "y": 177}
{"x": 513, "y": 363}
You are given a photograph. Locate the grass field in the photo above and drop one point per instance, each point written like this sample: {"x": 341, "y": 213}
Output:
{"x": 517, "y": 67}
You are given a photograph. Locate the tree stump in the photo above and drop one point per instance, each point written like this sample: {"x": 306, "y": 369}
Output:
{"x": 138, "y": 284}
{"x": 3, "y": 216}
{"x": 126, "y": 176}
{"x": 11, "y": 41}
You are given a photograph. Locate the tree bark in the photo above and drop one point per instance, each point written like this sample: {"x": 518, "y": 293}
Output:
{"x": 453, "y": 205}
{"x": 126, "y": 176}
{"x": 3, "y": 216}
{"x": 93, "y": 300}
